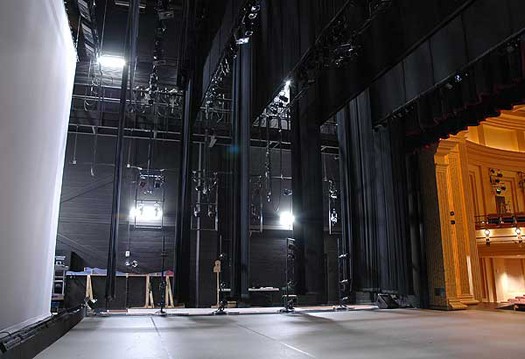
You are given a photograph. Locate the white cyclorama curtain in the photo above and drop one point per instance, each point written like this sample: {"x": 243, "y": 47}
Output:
{"x": 37, "y": 68}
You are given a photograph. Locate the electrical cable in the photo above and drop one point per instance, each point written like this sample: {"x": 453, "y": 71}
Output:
{"x": 103, "y": 26}
{"x": 78, "y": 32}
{"x": 75, "y": 146}
{"x": 94, "y": 158}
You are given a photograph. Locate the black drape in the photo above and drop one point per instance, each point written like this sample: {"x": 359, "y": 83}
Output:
{"x": 494, "y": 83}
{"x": 377, "y": 208}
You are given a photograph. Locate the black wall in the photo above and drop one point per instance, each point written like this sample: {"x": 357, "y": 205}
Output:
{"x": 85, "y": 212}
{"x": 85, "y": 208}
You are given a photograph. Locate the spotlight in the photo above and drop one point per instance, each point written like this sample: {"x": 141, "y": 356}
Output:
{"x": 161, "y": 29}
{"x": 286, "y": 219}
{"x": 242, "y": 40}
{"x": 145, "y": 213}
{"x": 283, "y": 98}
{"x": 334, "y": 218}
{"x": 166, "y": 15}
{"x": 213, "y": 141}
{"x": 109, "y": 61}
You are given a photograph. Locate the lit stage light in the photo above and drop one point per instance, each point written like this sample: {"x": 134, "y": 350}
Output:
{"x": 286, "y": 219}
{"x": 109, "y": 61}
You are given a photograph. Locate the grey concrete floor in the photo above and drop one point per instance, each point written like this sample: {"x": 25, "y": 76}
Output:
{"x": 363, "y": 334}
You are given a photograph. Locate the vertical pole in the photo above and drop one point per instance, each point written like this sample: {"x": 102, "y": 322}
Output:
{"x": 236, "y": 176}
{"x": 181, "y": 261}
{"x": 198, "y": 234}
{"x": 297, "y": 196}
{"x": 163, "y": 276}
{"x": 307, "y": 188}
{"x": 287, "y": 280}
{"x": 245, "y": 126}
{"x": 241, "y": 172}
{"x": 346, "y": 212}
{"x": 117, "y": 176}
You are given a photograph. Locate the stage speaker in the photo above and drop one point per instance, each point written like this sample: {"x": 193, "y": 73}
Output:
{"x": 386, "y": 301}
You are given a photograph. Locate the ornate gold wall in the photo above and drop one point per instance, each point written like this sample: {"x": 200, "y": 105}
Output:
{"x": 467, "y": 193}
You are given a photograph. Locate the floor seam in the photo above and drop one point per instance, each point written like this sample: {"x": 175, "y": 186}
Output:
{"x": 161, "y": 340}
{"x": 275, "y": 340}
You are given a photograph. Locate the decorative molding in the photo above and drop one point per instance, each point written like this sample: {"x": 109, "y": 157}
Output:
{"x": 488, "y": 156}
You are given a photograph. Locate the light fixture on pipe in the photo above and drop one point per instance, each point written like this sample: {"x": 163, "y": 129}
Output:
{"x": 487, "y": 237}
{"x": 110, "y": 61}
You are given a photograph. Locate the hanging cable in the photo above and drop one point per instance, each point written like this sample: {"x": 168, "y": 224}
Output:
{"x": 74, "y": 161}
{"x": 268, "y": 170}
{"x": 103, "y": 26}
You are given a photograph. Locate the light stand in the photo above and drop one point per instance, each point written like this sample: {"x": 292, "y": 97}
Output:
{"x": 288, "y": 303}
{"x": 221, "y": 305}
{"x": 343, "y": 281}
{"x": 162, "y": 285}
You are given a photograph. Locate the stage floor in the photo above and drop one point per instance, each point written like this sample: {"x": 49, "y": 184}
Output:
{"x": 400, "y": 333}
{"x": 237, "y": 311}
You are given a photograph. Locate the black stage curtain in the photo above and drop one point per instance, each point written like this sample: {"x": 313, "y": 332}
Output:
{"x": 494, "y": 83}
{"x": 377, "y": 213}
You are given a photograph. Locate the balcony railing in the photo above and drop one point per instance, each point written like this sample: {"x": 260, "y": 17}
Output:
{"x": 504, "y": 220}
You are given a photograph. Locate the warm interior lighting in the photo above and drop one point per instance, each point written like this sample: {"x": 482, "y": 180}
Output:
{"x": 286, "y": 219}
{"x": 115, "y": 62}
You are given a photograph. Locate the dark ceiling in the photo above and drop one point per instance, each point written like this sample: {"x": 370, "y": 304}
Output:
{"x": 111, "y": 18}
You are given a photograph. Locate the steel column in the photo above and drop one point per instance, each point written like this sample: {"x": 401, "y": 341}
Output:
{"x": 307, "y": 188}
{"x": 183, "y": 219}
{"x": 117, "y": 179}
{"x": 241, "y": 172}
{"x": 345, "y": 193}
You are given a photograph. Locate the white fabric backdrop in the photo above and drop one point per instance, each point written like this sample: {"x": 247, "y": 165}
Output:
{"x": 37, "y": 68}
